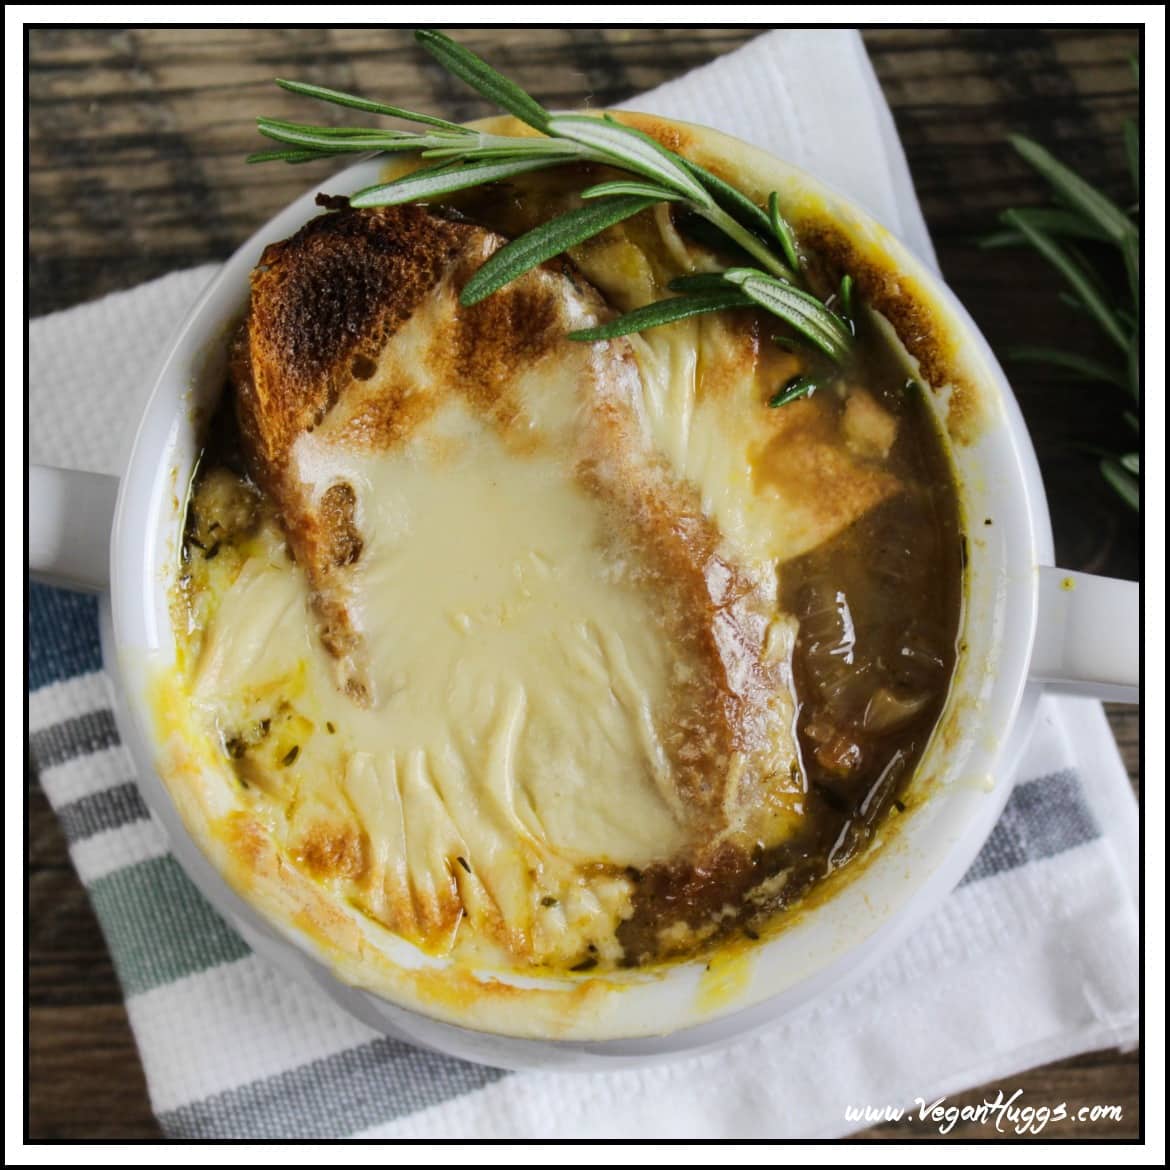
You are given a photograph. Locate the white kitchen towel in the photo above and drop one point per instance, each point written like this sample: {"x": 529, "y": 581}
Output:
{"x": 1033, "y": 958}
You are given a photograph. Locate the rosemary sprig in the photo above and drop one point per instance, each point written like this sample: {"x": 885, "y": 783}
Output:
{"x": 442, "y": 180}
{"x": 710, "y": 292}
{"x": 729, "y": 211}
{"x": 630, "y": 187}
{"x": 1075, "y": 364}
{"x": 733, "y": 201}
{"x": 845, "y": 299}
{"x": 1079, "y": 277}
{"x": 288, "y": 156}
{"x": 549, "y": 240}
{"x": 1079, "y": 195}
{"x": 1084, "y": 215}
{"x": 664, "y": 312}
{"x": 782, "y": 231}
{"x": 1055, "y": 221}
{"x": 306, "y": 89}
{"x": 482, "y": 77}
{"x": 611, "y": 142}
{"x": 1122, "y": 473}
{"x": 462, "y": 158}
{"x": 800, "y": 309}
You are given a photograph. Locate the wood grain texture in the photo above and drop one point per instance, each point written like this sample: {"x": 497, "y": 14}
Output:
{"x": 136, "y": 141}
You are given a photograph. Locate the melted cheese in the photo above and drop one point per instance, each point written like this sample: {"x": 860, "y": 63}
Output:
{"x": 776, "y": 482}
{"x": 544, "y": 704}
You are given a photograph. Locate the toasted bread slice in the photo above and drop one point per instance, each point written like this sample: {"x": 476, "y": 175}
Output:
{"x": 355, "y": 339}
{"x": 325, "y": 303}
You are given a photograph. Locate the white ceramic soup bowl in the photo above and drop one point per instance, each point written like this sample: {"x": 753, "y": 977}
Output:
{"x": 1025, "y": 627}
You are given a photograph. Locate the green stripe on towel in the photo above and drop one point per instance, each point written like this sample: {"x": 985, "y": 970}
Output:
{"x": 158, "y": 925}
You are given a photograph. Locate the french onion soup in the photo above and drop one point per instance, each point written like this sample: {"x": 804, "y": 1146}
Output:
{"x": 554, "y": 655}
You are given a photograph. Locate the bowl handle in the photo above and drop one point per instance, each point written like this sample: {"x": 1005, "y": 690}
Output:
{"x": 70, "y": 519}
{"x": 1087, "y": 638}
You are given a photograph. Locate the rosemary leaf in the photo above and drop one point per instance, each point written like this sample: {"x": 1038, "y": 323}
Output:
{"x": 547, "y": 240}
{"x": 801, "y": 310}
{"x": 442, "y": 180}
{"x": 846, "y": 298}
{"x": 1053, "y": 220}
{"x": 631, "y": 187}
{"x": 1131, "y": 463}
{"x": 1080, "y": 281}
{"x": 664, "y": 312}
{"x": 1131, "y": 249}
{"x": 1074, "y": 363}
{"x": 782, "y": 231}
{"x": 1133, "y": 154}
{"x": 699, "y": 282}
{"x": 1096, "y": 277}
{"x": 338, "y": 131}
{"x": 327, "y": 141}
{"x": 1123, "y": 482}
{"x": 749, "y": 242}
{"x": 702, "y": 231}
{"x": 477, "y": 73}
{"x": 1070, "y": 301}
{"x": 361, "y": 103}
{"x": 288, "y": 156}
{"x": 631, "y": 150}
{"x": 799, "y": 387}
{"x": 734, "y": 202}
{"x": 1093, "y": 449}
{"x": 496, "y": 147}
{"x": 1072, "y": 188}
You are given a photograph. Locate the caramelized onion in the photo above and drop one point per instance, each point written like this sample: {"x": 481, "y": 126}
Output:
{"x": 887, "y": 711}
{"x": 828, "y": 642}
{"x": 840, "y": 756}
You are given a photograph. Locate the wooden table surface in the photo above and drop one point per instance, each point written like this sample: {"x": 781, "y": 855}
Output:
{"x": 136, "y": 146}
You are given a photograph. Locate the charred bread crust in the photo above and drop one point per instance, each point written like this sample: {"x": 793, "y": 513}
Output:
{"x": 323, "y": 301}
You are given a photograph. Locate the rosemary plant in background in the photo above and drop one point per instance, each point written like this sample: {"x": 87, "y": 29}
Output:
{"x": 460, "y": 158}
{"x": 1082, "y": 217}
